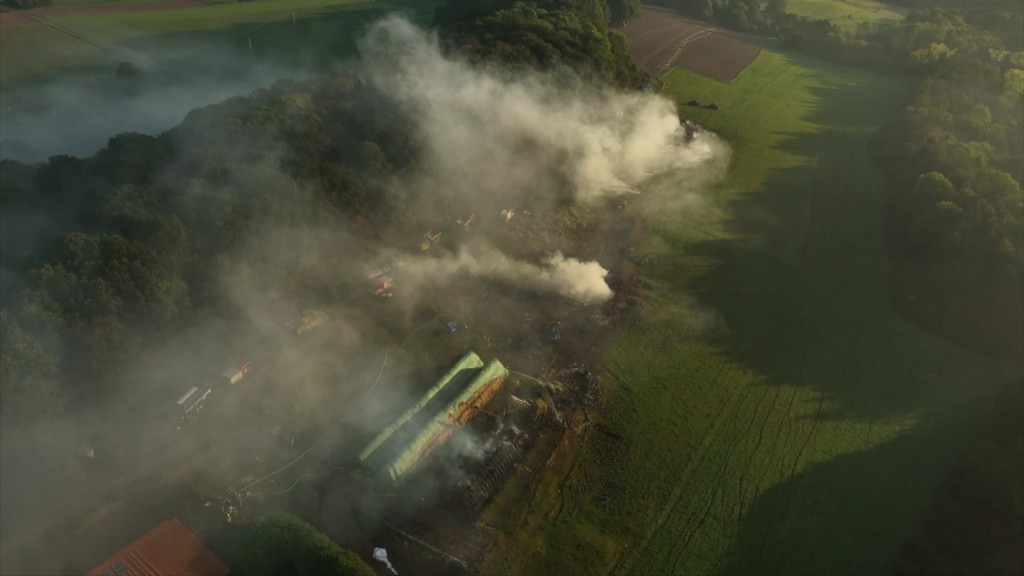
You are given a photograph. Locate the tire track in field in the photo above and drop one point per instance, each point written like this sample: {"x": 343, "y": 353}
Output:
{"x": 697, "y": 519}
{"x": 719, "y": 476}
{"x": 692, "y": 518}
{"x": 794, "y": 464}
{"x": 687, "y": 38}
{"x": 798, "y": 341}
{"x": 792, "y": 477}
{"x": 647, "y": 57}
{"x": 698, "y": 35}
{"x": 813, "y": 318}
{"x": 753, "y": 453}
{"x": 787, "y": 426}
{"x": 823, "y": 249}
{"x": 792, "y": 431}
{"x": 840, "y": 367}
{"x": 801, "y": 341}
{"x": 700, "y": 453}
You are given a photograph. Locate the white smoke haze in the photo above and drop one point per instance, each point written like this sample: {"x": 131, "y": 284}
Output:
{"x": 485, "y": 137}
{"x": 488, "y": 136}
{"x": 582, "y": 281}
{"x": 77, "y": 117}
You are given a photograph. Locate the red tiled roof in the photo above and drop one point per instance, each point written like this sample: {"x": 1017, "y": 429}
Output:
{"x": 170, "y": 549}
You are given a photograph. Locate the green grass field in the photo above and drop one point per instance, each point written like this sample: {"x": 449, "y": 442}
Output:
{"x": 847, "y": 13}
{"x": 774, "y": 414}
{"x": 76, "y": 3}
{"x": 322, "y": 30}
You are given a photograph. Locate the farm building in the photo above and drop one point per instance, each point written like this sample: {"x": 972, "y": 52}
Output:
{"x": 307, "y": 322}
{"x": 452, "y": 401}
{"x": 235, "y": 373}
{"x": 169, "y": 549}
{"x": 381, "y": 280}
{"x": 190, "y": 401}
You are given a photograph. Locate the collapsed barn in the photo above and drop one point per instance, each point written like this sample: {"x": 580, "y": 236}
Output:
{"x": 404, "y": 445}
{"x": 464, "y": 438}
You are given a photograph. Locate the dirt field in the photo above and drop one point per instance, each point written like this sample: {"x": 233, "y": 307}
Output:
{"x": 660, "y": 40}
{"x": 17, "y": 19}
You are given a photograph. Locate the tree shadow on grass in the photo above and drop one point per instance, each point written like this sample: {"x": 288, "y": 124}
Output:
{"x": 848, "y": 515}
{"x": 803, "y": 288}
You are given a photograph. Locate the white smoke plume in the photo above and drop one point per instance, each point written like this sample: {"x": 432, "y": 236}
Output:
{"x": 490, "y": 136}
{"x": 582, "y": 281}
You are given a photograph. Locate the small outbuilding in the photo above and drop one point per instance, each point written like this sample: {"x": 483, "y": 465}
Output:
{"x": 236, "y": 373}
{"x": 191, "y": 401}
{"x": 169, "y": 549}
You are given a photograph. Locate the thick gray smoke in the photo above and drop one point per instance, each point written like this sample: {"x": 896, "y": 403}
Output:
{"x": 583, "y": 281}
{"x": 486, "y": 135}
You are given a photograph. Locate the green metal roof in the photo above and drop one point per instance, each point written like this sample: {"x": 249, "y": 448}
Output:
{"x": 456, "y": 377}
{"x": 408, "y": 453}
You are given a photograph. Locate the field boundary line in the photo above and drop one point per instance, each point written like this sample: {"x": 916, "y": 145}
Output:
{"x": 699, "y": 454}
{"x": 59, "y": 28}
{"x": 698, "y": 35}
{"x": 741, "y": 433}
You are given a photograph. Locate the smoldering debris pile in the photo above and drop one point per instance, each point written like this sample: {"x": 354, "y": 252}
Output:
{"x": 466, "y": 474}
{"x": 577, "y": 391}
{"x": 581, "y": 387}
{"x": 487, "y": 476}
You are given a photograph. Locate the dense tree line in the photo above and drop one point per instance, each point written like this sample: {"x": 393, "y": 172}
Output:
{"x": 284, "y": 544}
{"x": 544, "y": 34}
{"x": 924, "y": 36}
{"x": 120, "y": 244}
{"x": 954, "y": 161}
{"x": 102, "y": 259}
{"x": 104, "y": 256}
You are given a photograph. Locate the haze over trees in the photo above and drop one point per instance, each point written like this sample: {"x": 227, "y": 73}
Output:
{"x": 103, "y": 258}
{"x": 121, "y": 252}
{"x": 123, "y": 243}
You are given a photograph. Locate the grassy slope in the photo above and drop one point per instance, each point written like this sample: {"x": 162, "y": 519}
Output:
{"x": 76, "y": 3}
{"x": 808, "y": 434}
{"x": 847, "y": 13}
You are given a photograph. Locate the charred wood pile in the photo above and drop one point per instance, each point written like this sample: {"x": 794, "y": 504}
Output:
{"x": 484, "y": 479}
{"x": 582, "y": 388}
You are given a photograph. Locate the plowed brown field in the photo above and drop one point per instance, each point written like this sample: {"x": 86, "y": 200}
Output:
{"x": 659, "y": 40}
